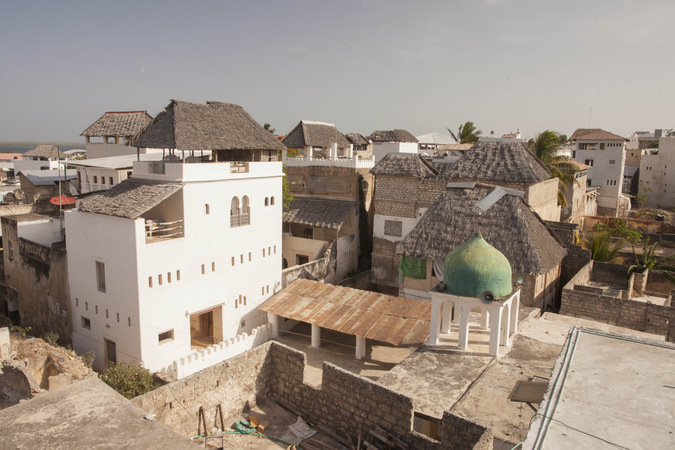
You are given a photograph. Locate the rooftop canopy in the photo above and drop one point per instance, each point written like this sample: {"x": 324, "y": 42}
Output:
{"x": 118, "y": 123}
{"x": 384, "y": 318}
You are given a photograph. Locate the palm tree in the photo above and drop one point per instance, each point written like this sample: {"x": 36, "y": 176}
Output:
{"x": 467, "y": 134}
{"x": 649, "y": 261}
{"x": 545, "y": 147}
{"x": 600, "y": 245}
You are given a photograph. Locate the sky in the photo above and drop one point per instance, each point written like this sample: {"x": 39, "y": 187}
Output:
{"x": 362, "y": 65}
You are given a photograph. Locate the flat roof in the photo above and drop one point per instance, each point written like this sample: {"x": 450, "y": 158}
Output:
{"x": 608, "y": 390}
{"x": 384, "y": 318}
{"x": 86, "y": 414}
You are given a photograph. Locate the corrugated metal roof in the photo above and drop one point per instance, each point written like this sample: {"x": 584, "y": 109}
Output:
{"x": 398, "y": 321}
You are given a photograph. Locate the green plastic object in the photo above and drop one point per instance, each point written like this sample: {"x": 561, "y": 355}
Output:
{"x": 475, "y": 267}
{"x": 413, "y": 267}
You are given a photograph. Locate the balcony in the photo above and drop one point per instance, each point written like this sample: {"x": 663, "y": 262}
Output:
{"x": 158, "y": 231}
{"x": 239, "y": 220}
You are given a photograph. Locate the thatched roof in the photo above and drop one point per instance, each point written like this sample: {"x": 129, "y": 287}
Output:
{"x": 130, "y": 198}
{"x": 357, "y": 139}
{"x": 318, "y": 213}
{"x": 594, "y": 134}
{"x": 119, "y": 123}
{"x": 499, "y": 161}
{"x": 316, "y": 134}
{"x": 213, "y": 126}
{"x": 436, "y": 138}
{"x": 405, "y": 165}
{"x": 509, "y": 225}
{"x": 396, "y": 135}
{"x": 46, "y": 151}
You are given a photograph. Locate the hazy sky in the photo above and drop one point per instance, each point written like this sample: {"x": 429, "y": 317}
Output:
{"x": 362, "y": 65}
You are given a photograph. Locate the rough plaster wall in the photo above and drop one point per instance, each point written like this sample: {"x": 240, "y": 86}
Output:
{"x": 39, "y": 274}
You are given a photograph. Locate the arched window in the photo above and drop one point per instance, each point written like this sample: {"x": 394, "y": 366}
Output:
{"x": 244, "y": 205}
{"x": 234, "y": 208}
{"x": 267, "y": 201}
{"x": 272, "y": 200}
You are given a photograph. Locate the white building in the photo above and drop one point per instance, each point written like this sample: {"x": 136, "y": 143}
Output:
{"x": 429, "y": 142}
{"x": 392, "y": 141}
{"x": 604, "y": 153}
{"x": 100, "y": 174}
{"x": 42, "y": 157}
{"x": 112, "y": 133}
{"x": 167, "y": 267}
{"x": 657, "y": 181}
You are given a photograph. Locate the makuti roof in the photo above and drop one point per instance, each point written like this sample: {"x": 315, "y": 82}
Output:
{"x": 119, "y": 123}
{"x": 318, "y": 213}
{"x": 130, "y": 198}
{"x": 405, "y": 165}
{"x": 211, "y": 126}
{"x": 46, "y": 151}
{"x": 357, "y": 139}
{"x": 384, "y": 318}
{"x": 509, "y": 225}
{"x": 595, "y": 134}
{"x": 499, "y": 161}
{"x": 396, "y": 135}
{"x": 317, "y": 134}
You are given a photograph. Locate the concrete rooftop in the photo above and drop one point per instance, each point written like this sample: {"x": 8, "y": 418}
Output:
{"x": 608, "y": 391}
{"x": 87, "y": 414}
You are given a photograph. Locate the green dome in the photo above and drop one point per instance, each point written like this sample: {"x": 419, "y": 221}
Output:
{"x": 475, "y": 267}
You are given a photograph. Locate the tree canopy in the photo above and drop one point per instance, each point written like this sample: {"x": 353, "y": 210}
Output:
{"x": 545, "y": 147}
{"x": 466, "y": 134}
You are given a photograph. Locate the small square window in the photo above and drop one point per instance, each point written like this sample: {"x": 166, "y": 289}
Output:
{"x": 241, "y": 258}
{"x": 165, "y": 337}
{"x": 86, "y": 306}
{"x": 103, "y": 181}
{"x": 129, "y": 321}
{"x": 233, "y": 260}
{"x": 95, "y": 179}
{"x": 249, "y": 256}
{"x": 177, "y": 275}
{"x": 86, "y": 323}
{"x": 96, "y": 309}
{"x": 118, "y": 317}
{"x": 106, "y": 313}
{"x": 77, "y": 302}
{"x": 263, "y": 252}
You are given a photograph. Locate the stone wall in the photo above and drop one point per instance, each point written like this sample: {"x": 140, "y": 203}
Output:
{"x": 580, "y": 301}
{"x": 344, "y": 402}
{"x": 360, "y": 281}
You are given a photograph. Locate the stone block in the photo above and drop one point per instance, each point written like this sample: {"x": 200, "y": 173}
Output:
{"x": 56, "y": 382}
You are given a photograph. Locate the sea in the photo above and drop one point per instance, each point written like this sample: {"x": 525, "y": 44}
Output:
{"x": 23, "y": 147}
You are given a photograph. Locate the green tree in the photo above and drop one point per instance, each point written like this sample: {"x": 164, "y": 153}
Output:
{"x": 545, "y": 147}
{"x": 648, "y": 261}
{"x": 269, "y": 128}
{"x": 600, "y": 245}
{"x": 130, "y": 380}
{"x": 287, "y": 195}
{"x": 467, "y": 133}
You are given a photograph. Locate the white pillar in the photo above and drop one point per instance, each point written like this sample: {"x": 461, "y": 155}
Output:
{"x": 447, "y": 316}
{"x": 360, "y": 347}
{"x": 484, "y": 318}
{"x": 308, "y": 153}
{"x": 494, "y": 333}
{"x": 435, "y": 324}
{"x": 515, "y": 307}
{"x": 505, "y": 322}
{"x": 316, "y": 336}
{"x": 273, "y": 319}
{"x": 350, "y": 152}
{"x": 333, "y": 151}
{"x": 463, "y": 339}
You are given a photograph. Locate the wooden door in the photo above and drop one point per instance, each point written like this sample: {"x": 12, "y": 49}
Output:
{"x": 207, "y": 324}
{"x": 110, "y": 352}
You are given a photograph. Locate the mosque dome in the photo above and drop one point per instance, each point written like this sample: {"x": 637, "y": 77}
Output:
{"x": 475, "y": 267}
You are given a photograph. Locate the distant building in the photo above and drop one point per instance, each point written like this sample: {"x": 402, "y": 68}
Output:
{"x": 169, "y": 266}
{"x": 42, "y": 157}
{"x": 604, "y": 153}
{"x": 40, "y": 186}
{"x": 324, "y": 175}
{"x": 581, "y": 200}
{"x": 112, "y": 133}
{"x": 428, "y": 143}
{"x": 362, "y": 146}
{"x": 100, "y": 174}
{"x": 657, "y": 175}
{"x": 392, "y": 141}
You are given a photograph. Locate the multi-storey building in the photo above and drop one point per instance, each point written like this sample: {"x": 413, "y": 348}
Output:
{"x": 657, "y": 180}
{"x": 176, "y": 258}
{"x": 604, "y": 153}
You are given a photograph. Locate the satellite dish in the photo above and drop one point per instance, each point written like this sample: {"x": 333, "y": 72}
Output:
{"x": 19, "y": 194}
{"x": 487, "y": 297}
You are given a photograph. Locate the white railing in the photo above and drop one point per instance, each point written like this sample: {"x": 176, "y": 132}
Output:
{"x": 214, "y": 354}
{"x": 354, "y": 162}
{"x": 163, "y": 230}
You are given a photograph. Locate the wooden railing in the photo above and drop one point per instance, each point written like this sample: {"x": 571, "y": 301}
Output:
{"x": 155, "y": 231}
{"x": 239, "y": 220}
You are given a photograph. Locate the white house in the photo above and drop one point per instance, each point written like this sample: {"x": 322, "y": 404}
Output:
{"x": 112, "y": 133}
{"x": 100, "y": 174}
{"x": 42, "y": 157}
{"x": 604, "y": 153}
{"x": 167, "y": 267}
{"x": 657, "y": 180}
{"x": 392, "y": 141}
